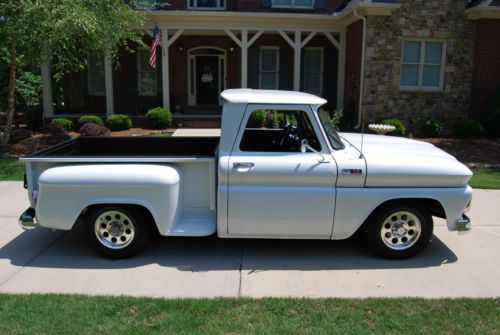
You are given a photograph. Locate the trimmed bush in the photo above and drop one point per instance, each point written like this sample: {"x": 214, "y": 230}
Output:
{"x": 34, "y": 118}
{"x": 431, "y": 128}
{"x": 91, "y": 119}
{"x": 274, "y": 120}
{"x": 92, "y": 129}
{"x": 17, "y": 135}
{"x": 62, "y": 122}
{"x": 119, "y": 122}
{"x": 400, "y": 127}
{"x": 468, "y": 128}
{"x": 159, "y": 118}
{"x": 58, "y": 133}
{"x": 256, "y": 119}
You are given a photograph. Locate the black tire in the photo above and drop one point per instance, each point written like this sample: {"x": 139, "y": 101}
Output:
{"x": 131, "y": 224}
{"x": 390, "y": 238}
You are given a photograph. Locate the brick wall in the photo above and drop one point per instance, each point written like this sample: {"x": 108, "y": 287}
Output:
{"x": 486, "y": 72}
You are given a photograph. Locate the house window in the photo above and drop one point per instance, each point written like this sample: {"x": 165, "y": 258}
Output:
{"x": 146, "y": 75}
{"x": 293, "y": 3}
{"x": 207, "y": 4}
{"x": 422, "y": 65}
{"x": 96, "y": 75}
{"x": 269, "y": 68}
{"x": 313, "y": 71}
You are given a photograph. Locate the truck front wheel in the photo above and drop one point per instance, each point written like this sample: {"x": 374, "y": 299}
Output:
{"x": 117, "y": 231}
{"x": 399, "y": 230}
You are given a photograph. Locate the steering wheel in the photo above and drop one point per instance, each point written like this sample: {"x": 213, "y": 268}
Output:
{"x": 289, "y": 135}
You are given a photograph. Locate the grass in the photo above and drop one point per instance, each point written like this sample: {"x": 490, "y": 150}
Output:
{"x": 11, "y": 169}
{"x": 69, "y": 314}
{"x": 486, "y": 178}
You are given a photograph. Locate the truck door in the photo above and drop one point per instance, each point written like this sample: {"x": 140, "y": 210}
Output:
{"x": 275, "y": 190}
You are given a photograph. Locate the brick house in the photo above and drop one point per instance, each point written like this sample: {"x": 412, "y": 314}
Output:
{"x": 409, "y": 59}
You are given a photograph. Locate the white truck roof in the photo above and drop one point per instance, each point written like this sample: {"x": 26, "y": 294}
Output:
{"x": 251, "y": 96}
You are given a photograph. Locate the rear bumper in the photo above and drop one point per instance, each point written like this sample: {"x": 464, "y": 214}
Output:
{"x": 27, "y": 220}
{"x": 463, "y": 224}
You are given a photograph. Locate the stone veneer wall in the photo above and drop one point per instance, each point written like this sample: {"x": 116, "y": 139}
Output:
{"x": 443, "y": 19}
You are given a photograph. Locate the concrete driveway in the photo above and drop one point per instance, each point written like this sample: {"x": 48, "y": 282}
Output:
{"x": 452, "y": 266}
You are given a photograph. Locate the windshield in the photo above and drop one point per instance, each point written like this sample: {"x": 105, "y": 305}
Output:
{"x": 330, "y": 131}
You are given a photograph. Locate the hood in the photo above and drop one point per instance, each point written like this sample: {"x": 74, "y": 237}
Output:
{"x": 397, "y": 161}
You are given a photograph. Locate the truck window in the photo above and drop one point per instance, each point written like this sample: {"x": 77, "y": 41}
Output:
{"x": 278, "y": 131}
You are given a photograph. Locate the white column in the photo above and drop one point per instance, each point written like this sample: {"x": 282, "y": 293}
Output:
{"x": 341, "y": 70}
{"x": 244, "y": 58}
{"x": 48, "y": 108}
{"x": 108, "y": 81}
{"x": 165, "y": 68}
{"x": 296, "y": 62}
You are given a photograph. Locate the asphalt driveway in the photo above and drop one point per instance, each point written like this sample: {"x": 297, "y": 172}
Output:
{"x": 452, "y": 266}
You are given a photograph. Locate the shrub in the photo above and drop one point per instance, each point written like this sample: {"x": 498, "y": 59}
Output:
{"x": 431, "y": 128}
{"x": 337, "y": 118}
{"x": 468, "y": 128}
{"x": 58, "y": 133}
{"x": 17, "y": 135}
{"x": 34, "y": 118}
{"x": 159, "y": 118}
{"x": 119, "y": 122}
{"x": 92, "y": 129}
{"x": 256, "y": 119}
{"x": 274, "y": 120}
{"x": 63, "y": 122}
{"x": 400, "y": 127}
{"x": 91, "y": 119}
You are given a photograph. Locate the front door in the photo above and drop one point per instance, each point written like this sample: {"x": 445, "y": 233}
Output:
{"x": 207, "y": 80}
{"x": 275, "y": 190}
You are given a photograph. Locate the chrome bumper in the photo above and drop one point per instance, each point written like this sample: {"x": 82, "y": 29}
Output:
{"x": 463, "y": 224}
{"x": 27, "y": 220}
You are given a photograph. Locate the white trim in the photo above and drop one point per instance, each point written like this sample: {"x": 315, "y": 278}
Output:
{"x": 191, "y": 73}
{"x": 292, "y": 5}
{"x": 421, "y": 64}
{"x": 321, "y": 70}
{"x": 277, "y": 69}
{"x": 89, "y": 77}
{"x": 332, "y": 39}
{"x": 149, "y": 69}
{"x": 196, "y": 7}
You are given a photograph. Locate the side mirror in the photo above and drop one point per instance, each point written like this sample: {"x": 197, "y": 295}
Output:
{"x": 304, "y": 144}
{"x": 305, "y": 147}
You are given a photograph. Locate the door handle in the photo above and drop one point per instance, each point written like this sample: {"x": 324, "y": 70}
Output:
{"x": 239, "y": 165}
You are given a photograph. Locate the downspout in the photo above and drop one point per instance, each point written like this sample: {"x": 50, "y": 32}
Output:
{"x": 362, "y": 75}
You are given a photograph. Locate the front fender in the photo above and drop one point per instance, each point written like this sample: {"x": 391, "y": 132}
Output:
{"x": 65, "y": 191}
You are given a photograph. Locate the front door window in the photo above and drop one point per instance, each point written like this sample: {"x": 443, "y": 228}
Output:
{"x": 206, "y": 76}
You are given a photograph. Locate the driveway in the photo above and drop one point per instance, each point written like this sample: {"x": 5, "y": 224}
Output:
{"x": 452, "y": 266}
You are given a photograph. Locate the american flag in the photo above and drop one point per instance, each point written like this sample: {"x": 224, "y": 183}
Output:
{"x": 154, "y": 44}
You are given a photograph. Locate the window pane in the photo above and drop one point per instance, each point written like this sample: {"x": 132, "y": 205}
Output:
{"x": 282, "y": 2}
{"x": 268, "y": 81}
{"x": 97, "y": 82}
{"x": 409, "y": 75}
{"x": 268, "y": 59}
{"x": 303, "y": 3}
{"x": 431, "y": 76}
{"x": 312, "y": 60}
{"x": 411, "y": 52}
{"x": 207, "y": 3}
{"x": 147, "y": 82}
{"x": 144, "y": 60}
{"x": 433, "y": 52}
{"x": 312, "y": 83}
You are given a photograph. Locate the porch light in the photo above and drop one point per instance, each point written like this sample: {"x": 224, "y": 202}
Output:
{"x": 232, "y": 47}
{"x": 180, "y": 47}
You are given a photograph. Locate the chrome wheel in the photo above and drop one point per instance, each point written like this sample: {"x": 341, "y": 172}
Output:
{"x": 401, "y": 230}
{"x": 114, "y": 229}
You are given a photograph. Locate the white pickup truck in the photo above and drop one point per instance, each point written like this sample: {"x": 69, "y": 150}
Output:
{"x": 279, "y": 170}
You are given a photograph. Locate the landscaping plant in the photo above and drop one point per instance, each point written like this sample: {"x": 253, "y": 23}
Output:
{"x": 119, "y": 122}
{"x": 92, "y": 129}
{"x": 159, "y": 118}
{"x": 63, "y": 122}
{"x": 91, "y": 119}
{"x": 468, "y": 128}
{"x": 58, "y": 133}
{"x": 400, "y": 127}
{"x": 256, "y": 119}
{"x": 431, "y": 128}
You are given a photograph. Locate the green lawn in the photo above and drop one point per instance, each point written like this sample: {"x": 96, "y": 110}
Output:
{"x": 11, "y": 169}
{"x": 66, "y": 314}
{"x": 485, "y": 178}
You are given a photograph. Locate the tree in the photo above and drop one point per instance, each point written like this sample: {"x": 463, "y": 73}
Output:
{"x": 63, "y": 32}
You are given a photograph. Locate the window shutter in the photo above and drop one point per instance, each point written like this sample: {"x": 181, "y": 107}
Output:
{"x": 319, "y": 4}
{"x": 330, "y": 74}
{"x": 253, "y": 67}
{"x": 284, "y": 68}
{"x": 159, "y": 81}
{"x": 266, "y": 3}
{"x": 132, "y": 73}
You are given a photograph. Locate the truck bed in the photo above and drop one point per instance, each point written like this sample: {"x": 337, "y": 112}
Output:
{"x": 132, "y": 146}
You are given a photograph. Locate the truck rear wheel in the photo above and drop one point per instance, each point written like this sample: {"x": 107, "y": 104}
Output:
{"x": 117, "y": 231}
{"x": 399, "y": 230}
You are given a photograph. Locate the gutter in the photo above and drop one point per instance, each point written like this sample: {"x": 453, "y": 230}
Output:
{"x": 362, "y": 76}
